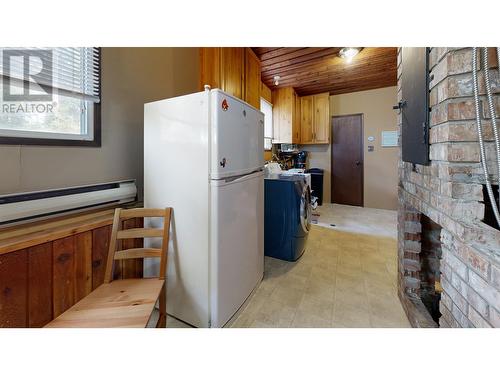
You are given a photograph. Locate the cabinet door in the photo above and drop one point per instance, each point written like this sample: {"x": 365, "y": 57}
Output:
{"x": 232, "y": 71}
{"x": 252, "y": 78}
{"x": 282, "y": 115}
{"x": 296, "y": 125}
{"x": 306, "y": 119}
{"x": 210, "y": 73}
{"x": 287, "y": 108}
{"x": 321, "y": 118}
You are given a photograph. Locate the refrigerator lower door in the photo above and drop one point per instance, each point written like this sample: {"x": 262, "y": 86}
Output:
{"x": 237, "y": 243}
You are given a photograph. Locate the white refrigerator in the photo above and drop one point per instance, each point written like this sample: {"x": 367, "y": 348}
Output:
{"x": 204, "y": 156}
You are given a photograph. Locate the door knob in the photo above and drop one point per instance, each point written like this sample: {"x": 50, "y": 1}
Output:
{"x": 358, "y": 163}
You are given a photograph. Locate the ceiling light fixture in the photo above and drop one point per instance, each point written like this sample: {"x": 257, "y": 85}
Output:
{"x": 276, "y": 80}
{"x": 349, "y": 52}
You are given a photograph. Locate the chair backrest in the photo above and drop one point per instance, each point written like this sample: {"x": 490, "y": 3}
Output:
{"x": 117, "y": 235}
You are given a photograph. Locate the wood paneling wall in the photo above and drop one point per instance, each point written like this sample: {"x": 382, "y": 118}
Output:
{"x": 313, "y": 70}
{"x": 40, "y": 282}
{"x": 40, "y": 278}
{"x": 14, "y": 292}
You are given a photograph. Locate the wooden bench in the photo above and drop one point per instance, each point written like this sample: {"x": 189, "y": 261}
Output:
{"x": 127, "y": 302}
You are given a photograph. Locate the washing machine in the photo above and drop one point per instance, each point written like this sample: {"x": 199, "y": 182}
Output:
{"x": 271, "y": 169}
{"x": 287, "y": 216}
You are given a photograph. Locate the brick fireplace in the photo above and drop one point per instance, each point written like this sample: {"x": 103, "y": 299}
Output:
{"x": 448, "y": 246}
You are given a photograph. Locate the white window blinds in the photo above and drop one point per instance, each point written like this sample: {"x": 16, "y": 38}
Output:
{"x": 71, "y": 71}
{"x": 267, "y": 109}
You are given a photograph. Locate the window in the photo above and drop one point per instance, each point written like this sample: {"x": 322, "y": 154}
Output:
{"x": 50, "y": 96}
{"x": 267, "y": 109}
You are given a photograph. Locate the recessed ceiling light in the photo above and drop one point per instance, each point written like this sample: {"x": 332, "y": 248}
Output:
{"x": 349, "y": 52}
{"x": 276, "y": 80}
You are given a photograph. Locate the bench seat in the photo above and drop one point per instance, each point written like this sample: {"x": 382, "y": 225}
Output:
{"x": 122, "y": 303}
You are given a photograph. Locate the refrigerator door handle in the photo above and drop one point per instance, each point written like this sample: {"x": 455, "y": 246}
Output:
{"x": 239, "y": 178}
{"x": 242, "y": 177}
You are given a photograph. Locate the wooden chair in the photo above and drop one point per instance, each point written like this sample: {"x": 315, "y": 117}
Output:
{"x": 128, "y": 302}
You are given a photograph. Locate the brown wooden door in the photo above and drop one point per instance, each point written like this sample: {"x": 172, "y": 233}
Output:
{"x": 347, "y": 160}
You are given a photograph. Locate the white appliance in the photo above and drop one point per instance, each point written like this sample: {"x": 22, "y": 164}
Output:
{"x": 204, "y": 156}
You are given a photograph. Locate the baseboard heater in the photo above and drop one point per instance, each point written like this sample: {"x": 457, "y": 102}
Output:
{"x": 34, "y": 205}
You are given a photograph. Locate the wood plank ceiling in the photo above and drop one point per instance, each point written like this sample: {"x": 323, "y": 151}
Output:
{"x": 315, "y": 70}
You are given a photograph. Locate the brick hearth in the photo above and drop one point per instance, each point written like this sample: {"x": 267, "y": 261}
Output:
{"x": 449, "y": 192}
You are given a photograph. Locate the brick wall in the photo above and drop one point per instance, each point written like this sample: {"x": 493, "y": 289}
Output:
{"x": 430, "y": 265}
{"x": 449, "y": 192}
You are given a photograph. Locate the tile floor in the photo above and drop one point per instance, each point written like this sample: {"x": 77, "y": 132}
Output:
{"x": 360, "y": 220}
{"x": 346, "y": 277}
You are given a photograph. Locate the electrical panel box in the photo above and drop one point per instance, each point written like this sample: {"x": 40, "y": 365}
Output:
{"x": 414, "y": 105}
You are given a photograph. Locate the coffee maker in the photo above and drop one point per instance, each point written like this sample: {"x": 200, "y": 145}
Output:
{"x": 299, "y": 161}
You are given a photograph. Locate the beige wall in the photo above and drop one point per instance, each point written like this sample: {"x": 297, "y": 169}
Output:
{"x": 380, "y": 166}
{"x": 130, "y": 77}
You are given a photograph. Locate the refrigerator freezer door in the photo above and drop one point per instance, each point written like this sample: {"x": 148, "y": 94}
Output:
{"x": 237, "y": 136}
{"x": 237, "y": 251}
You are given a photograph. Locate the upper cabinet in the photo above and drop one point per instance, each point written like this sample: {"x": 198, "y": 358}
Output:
{"x": 321, "y": 119}
{"x": 210, "y": 67}
{"x": 234, "y": 70}
{"x": 315, "y": 119}
{"x": 252, "y": 80}
{"x": 265, "y": 93}
{"x": 303, "y": 120}
{"x": 306, "y": 119}
{"x": 232, "y": 66}
{"x": 286, "y": 125}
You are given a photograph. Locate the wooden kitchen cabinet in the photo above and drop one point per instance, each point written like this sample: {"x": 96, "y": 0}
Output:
{"x": 297, "y": 116}
{"x": 286, "y": 125}
{"x": 252, "y": 82}
{"x": 266, "y": 93}
{"x": 235, "y": 70}
{"x": 306, "y": 120}
{"x": 315, "y": 118}
{"x": 210, "y": 68}
{"x": 232, "y": 71}
{"x": 321, "y": 118}
{"x": 295, "y": 119}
